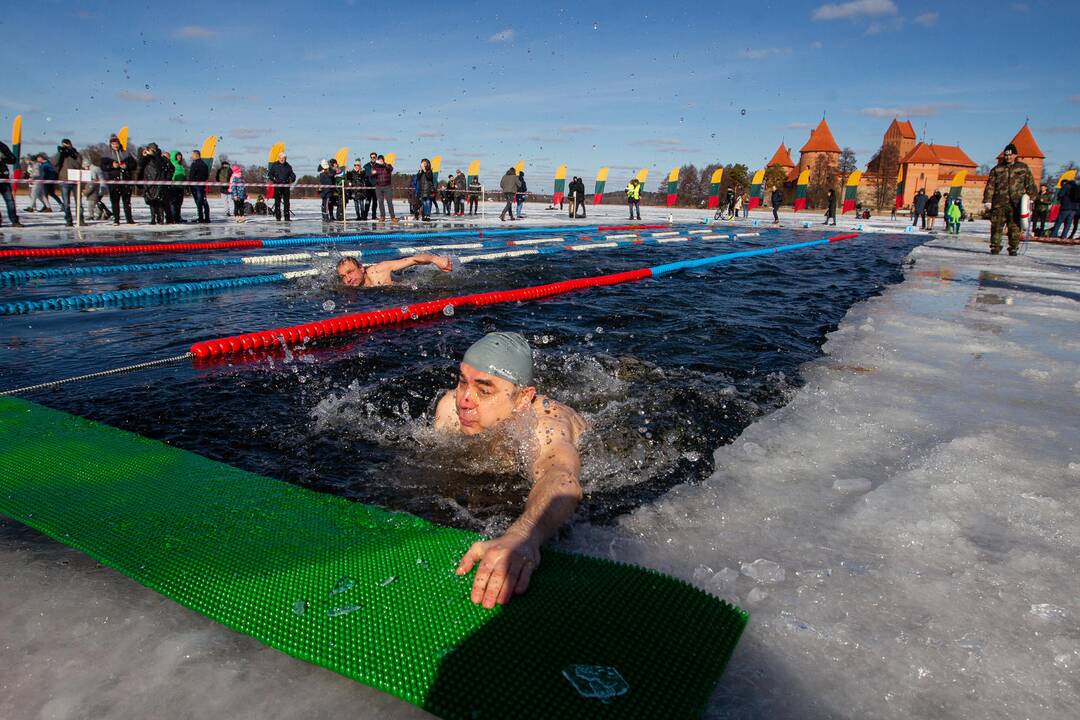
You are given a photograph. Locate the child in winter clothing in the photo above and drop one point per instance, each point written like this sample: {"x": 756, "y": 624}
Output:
{"x": 238, "y": 191}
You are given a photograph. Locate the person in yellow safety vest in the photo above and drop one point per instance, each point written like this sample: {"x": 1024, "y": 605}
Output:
{"x": 633, "y": 198}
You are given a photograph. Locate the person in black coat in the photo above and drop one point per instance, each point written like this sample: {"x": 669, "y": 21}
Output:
{"x": 151, "y": 170}
{"x": 223, "y": 177}
{"x": 281, "y": 173}
{"x": 200, "y": 173}
{"x": 117, "y": 164}
{"x": 776, "y": 200}
{"x": 425, "y": 188}
{"x": 326, "y": 190}
{"x": 8, "y": 158}
{"x": 830, "y": 213}
{"x": 932, "y": 205}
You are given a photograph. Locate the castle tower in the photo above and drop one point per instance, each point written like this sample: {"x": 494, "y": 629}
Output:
{"x": 782, "y": 158}
{"x": 1028, "y": 151}
{"x": 821, "y": 144}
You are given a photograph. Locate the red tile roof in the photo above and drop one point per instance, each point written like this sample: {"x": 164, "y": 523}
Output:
{"x": 1026, "y": 147}
{"x": 938, "y": 155}
{"x": 905, "y": 128}
{"x": 781, "y": 157}
{"x": 821, "y": 140}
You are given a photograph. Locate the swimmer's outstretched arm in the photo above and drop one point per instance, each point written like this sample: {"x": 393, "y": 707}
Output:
{"x": 440, "y": 261}
{"x": 507, "y": 562}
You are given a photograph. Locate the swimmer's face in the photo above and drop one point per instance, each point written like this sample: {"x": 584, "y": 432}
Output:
{"x": 351, "y": 274}
{"x": 483, "y": 401}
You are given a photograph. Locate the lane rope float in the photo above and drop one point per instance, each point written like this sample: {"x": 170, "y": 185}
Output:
{"x": 110, "y": 298}
{"x": 295, "y": 335}
{"x": 75, "y": 250}
{"x": 350, "y": 324}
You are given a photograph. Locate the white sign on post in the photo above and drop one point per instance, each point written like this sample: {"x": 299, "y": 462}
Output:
{"x": 80, "y": 175}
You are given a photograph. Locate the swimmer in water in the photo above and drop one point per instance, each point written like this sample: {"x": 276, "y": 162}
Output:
{"x": 495, "y": 387}
{"x": 353, "y": 273}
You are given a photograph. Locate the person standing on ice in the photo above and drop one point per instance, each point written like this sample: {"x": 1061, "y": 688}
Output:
{"x": 282, "y": 175}
{"x": 776, "y": 200}
{"x": 633, "y": 197}
{"x": 117, "y": 165}
{"x": 1007, "y": 183}
{"x": 7, "y": 157}
{"x": 521, "y": 193}
{"x": 495, "y": 398}
{"x": 830, "y": 210}
{"x": 224, "y": 173}
{"x": 509, "y": 187}
{"x": 382, "y": 173}
{"x": 199, "y": 172}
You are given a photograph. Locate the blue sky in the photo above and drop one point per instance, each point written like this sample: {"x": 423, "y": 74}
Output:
{"x": 623, "y": 84}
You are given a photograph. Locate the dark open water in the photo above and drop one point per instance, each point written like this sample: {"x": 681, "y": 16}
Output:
{"x": 664, "y": 370}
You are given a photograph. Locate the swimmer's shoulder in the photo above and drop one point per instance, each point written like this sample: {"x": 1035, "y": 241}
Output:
{"x": 445, "y": 413}
{"x": 550, "y": 412}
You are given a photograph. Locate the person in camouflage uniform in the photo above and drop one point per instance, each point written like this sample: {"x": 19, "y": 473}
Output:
{"x": 1007, "y": 183}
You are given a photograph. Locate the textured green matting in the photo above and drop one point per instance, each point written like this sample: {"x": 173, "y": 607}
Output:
{"x": 245, "y": 550}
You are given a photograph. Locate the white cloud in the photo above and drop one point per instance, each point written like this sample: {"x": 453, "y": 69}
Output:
{"x": 855, "y": 8}
{"x": 248, "y": 133}
{"x": 502, "y": 36}
{"x": 194, "y": 32}
{"x": 1075, "y": 99}
{"x": 1061, "y": 130}
{"x": 926, "y": 19}
{"x": 136, "y": 96}
{"x": 762, "y": 53}
{"x": 907, "y": 110}
{"x": 817, "y": 45}
{"x": 380, "y": 138}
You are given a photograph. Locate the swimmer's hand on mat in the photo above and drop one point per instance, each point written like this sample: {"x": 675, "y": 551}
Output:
{"x": 507, "y": 563}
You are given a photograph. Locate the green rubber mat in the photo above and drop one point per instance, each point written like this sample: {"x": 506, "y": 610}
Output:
{"x": 366, "y": 592}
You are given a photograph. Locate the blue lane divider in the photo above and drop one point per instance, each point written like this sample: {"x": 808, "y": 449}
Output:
{"x": 324, "y": 239}
{"x": 116, "y": 297}
{"x": 14, "y": 277}
{"x": 659, "y": 270}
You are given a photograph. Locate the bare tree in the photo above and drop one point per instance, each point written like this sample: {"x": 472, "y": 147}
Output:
{"x": 847, "y": 162}
{"x": 884, "y": 168}
{"x": 824, "y": 176}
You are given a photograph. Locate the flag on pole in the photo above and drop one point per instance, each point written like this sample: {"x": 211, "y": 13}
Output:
{"x": 474, "y": 171}
{"x": 390, "y": 158}
{"x": 560, "y": 185}
{"x": 601, "y": 181}
{"x": 122, "y": 136}
{"x": 16, "y": 150}
{"x": 757, "y": 189}
{"x": 851, "y": 192}
{"x": 272, "y": 157}
{"x": 1055, "y": 209}
{"x": 800, "y": 190}
{"x": 900, "y": 188}
{"x": 436, "y": 167}
{"x": 714, "y": 187}
{"x": 957, "y": 185}
{"x": 672, "y": 186}
{"x": 519, "y": 166}
{"x": 342, "y": 156}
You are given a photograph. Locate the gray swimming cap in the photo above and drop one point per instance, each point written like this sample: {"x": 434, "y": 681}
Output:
{"x": 502, "y": 354}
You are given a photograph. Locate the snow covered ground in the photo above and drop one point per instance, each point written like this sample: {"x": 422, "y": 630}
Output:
{"x": 904, "y": 531}
{"x": 48, "y": 228}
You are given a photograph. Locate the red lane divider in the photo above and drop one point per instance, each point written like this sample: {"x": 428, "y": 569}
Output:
{"x": 838, "y": 238}
{"x": 349, "y": 324}
{"x": 633, "y": 227}
{"x": 121, "y": 249}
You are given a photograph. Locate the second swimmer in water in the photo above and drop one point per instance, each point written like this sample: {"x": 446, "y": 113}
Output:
{"x": 353, "y": 273}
